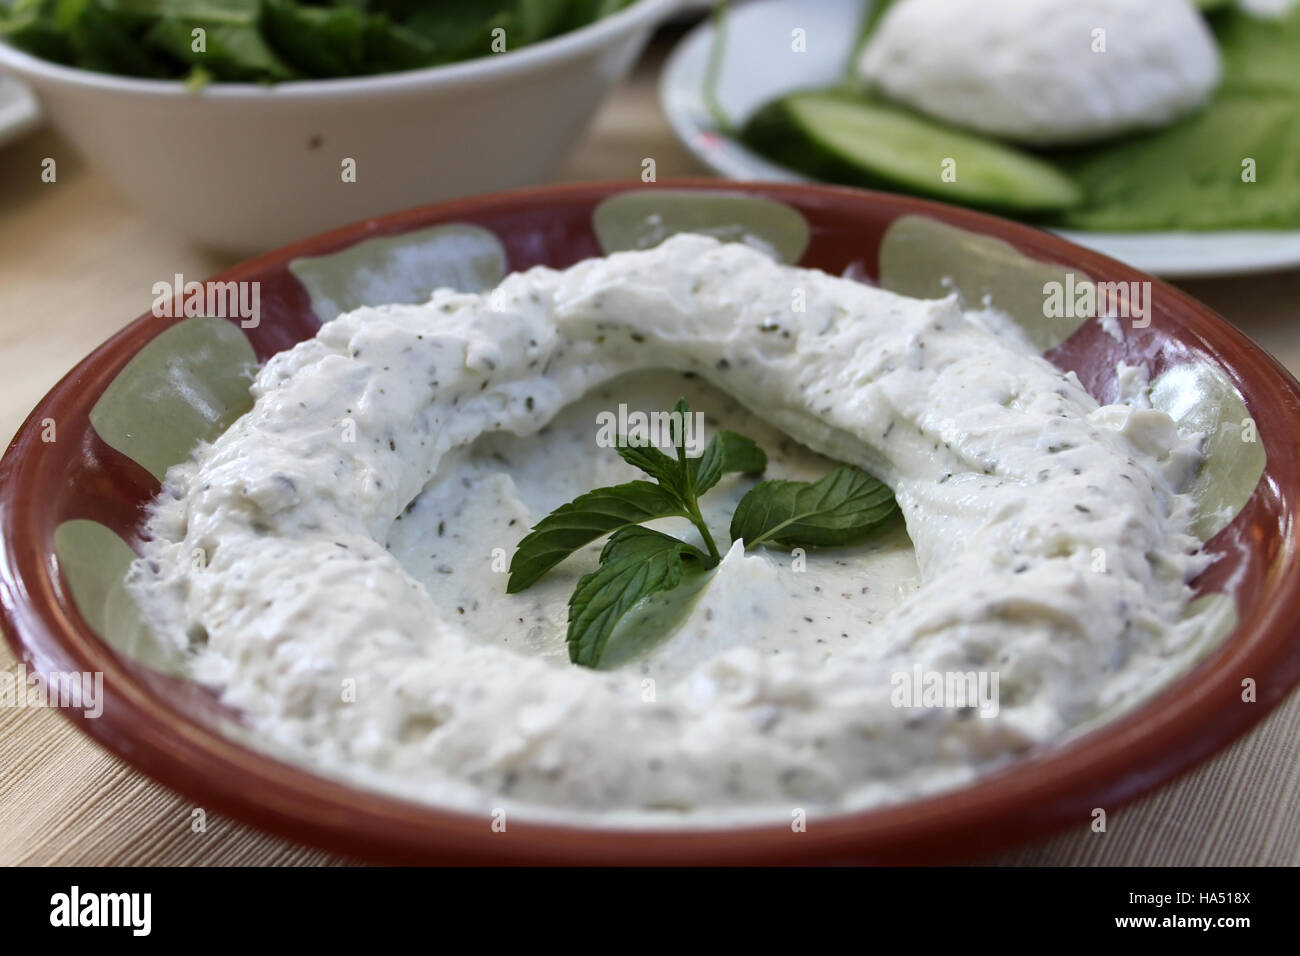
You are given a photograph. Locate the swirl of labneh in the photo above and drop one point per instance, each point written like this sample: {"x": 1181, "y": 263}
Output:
{"x": 1009, "y": 476}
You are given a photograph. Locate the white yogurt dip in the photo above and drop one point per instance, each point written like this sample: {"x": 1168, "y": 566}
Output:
{"x": 335, "y": 560}
{"x": 500, "y": 486}
{"x": 1045, "y": 72}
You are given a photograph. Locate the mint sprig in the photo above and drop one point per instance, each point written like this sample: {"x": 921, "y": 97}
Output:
{"x": 675, "y": 494}
{"x": 637, "y": 562}
{"x": 583, "y": 520}
{"x": 727, "y": 452}
{"x": 839, "y": 509}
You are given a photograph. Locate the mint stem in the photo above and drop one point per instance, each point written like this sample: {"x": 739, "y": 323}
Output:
{"x": 698, "y": 520}
{"x": 692, "y": 500}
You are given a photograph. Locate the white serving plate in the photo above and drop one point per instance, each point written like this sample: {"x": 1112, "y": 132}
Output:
{"x": 758, "y": 65}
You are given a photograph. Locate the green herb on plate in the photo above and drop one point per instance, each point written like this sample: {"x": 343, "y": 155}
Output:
{"x": 639, "y": 562}
{"x": 839, "y": 509}
{"x": 1234, "y": 165}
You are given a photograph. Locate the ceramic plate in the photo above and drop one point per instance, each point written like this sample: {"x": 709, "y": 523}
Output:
{"x": 76, "y": 480}
{"x": 18, "y": 110}
{"x": 759, "y": 66}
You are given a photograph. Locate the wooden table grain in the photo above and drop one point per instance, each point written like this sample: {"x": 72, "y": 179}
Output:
{"x": 77, "y": 263}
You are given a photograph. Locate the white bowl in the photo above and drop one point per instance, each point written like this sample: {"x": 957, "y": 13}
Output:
{"x": 245, "y": 167}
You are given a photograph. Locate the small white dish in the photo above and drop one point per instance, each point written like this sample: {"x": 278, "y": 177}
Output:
{"x": 245, "y": 167}
{"x": 760, "y": 64}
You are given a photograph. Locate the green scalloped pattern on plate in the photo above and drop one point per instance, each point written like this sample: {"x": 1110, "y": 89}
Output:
{"x": 187, "y": 385}
{"x": 925, "y": 258}
{"x": 402, "y": 268}
{"x": 643, "y": 218}
{"x": 1217, "y": 617}
{"x": 94, "y": 562}
{"x": 1201, "y": 399}
{"x": 929, "y": 259}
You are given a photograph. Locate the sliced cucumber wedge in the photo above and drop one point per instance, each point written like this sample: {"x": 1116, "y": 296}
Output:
{"x": 840, "y": 138}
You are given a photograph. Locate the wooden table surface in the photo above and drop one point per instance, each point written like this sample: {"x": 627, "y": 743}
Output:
{"x": 77, "y": 263}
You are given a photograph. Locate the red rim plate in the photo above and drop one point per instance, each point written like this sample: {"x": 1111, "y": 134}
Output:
{"x": 167, "y": 728}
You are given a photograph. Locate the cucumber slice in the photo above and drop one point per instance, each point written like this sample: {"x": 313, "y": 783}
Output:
{"x": 842, "y": 139}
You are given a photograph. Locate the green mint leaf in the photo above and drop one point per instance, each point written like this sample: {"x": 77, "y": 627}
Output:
{"x": 681, "y": 409}
{"x": 232, "y": 52}
{"x": 103, "y": 41}
{"x": 342, "y": 40}
{"x": 662, "y": 468}
{"x": 583, "y": 520}
{"x": 727, "y": 452}
{"x": 839, "y": 509}
{"x": 635, "y": 564}
{"x": 671, "y": 473}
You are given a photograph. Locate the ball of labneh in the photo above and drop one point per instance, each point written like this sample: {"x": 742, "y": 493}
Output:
{"x": 1045, "y": 72}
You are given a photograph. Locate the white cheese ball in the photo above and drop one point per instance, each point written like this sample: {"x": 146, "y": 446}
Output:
{"x": 1045, "y": 72}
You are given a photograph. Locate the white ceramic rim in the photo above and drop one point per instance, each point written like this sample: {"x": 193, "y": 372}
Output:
{"x": 19, "y": 111}
{"x": 496, "y": 66}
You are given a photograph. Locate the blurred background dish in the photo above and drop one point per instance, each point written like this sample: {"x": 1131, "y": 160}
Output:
{"x": 274, "y": 41}
{"x": 18, "y": 110}
{"x": 244, "y": 167}
{"x": 758, "y": 64}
